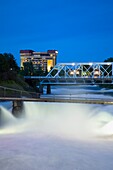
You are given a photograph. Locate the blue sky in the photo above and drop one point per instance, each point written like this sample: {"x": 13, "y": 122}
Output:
{"x": 81, "y": 30}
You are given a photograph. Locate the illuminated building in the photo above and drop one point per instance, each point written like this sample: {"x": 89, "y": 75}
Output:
{"x": 40, "y": 60}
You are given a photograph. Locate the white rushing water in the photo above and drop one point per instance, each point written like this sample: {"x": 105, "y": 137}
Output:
{"x": 56, "y": 136}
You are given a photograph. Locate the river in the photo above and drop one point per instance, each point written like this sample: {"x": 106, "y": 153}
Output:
{"x": 52, "y": 136}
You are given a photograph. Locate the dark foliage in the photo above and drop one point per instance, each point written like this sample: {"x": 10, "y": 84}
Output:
{"x": 109, "y": 59}
{"x": 8, "y": 67}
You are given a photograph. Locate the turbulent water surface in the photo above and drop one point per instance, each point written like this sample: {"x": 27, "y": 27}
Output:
{"x": 54, "y": 136}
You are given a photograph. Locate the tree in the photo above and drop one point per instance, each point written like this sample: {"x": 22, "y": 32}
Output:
{"x": 4, "y": 65}
{"x": 8, "y": 67}
{"x": 28, "y": 68}
{"x": 109, "y": 59}
{"x": 12, "y": 63}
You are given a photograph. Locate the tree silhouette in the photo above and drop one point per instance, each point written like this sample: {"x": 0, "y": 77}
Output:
{"x": 109, "y": 59}
{"x": 8, "y": 67}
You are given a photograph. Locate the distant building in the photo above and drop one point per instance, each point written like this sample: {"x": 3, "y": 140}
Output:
{"x": 40, "y": 60}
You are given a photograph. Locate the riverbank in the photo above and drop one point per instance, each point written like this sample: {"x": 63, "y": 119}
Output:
{"x": 19, "y": 84}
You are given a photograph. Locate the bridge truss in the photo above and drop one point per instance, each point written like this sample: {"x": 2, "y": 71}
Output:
{"x": 80, "y": 73}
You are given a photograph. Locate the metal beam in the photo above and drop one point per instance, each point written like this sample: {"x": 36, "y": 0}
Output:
{"x": 79, "y": 73}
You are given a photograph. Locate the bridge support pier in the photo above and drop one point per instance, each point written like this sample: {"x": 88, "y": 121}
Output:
{"x": 48, "y": 89}
{"x": 17, "y": 108}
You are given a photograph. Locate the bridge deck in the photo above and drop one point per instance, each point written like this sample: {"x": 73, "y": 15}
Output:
{"x": 60, "y": 100}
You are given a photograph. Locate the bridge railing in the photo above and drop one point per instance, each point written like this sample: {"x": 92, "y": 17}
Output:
{"x": 70, "y": 97}
{"x": 10, "y": 92}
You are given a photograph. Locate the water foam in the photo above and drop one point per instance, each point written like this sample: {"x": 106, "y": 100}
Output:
{"x": 60, "y": 119}
{"x": 8, "y": 123}
{"x": 68, "y": 120}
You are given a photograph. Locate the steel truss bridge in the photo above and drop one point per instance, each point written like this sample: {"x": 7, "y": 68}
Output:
{"x": 78, "y": 73}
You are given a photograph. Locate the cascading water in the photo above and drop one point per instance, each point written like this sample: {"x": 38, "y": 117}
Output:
{"x": 6, "y": 118}
{"x": 8, "y": 123}
{"x": 56, "y": 136}
{"x": 69, "y": 120}
{"x": 63, "y": 120}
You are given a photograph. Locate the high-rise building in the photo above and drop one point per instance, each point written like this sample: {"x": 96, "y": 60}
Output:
{"x": 40, "y": 60}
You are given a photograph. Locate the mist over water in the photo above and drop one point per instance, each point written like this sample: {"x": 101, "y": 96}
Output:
{"x": 69, "y": 121}
{"x": 52, "y": 136}
{"x": 8, "y": 123}
{"x": 64, "y": 120}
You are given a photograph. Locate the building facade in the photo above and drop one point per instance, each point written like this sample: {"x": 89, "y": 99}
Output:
{"x": 40, "y": 60}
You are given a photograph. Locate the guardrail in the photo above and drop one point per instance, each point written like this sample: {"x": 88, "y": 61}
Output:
{"x": 77, "y": 100}
{"x": 74, "y": 96}
{"x": 10, "y": 92}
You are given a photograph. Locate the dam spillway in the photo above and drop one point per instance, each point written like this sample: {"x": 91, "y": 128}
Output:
{"x": 56, "y": 135}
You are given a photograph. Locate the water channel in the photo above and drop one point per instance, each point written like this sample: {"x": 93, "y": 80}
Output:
{"x": 52, "y": 136}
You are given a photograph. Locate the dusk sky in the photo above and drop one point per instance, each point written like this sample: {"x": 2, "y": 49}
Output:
{"x": 81, "y": 30}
